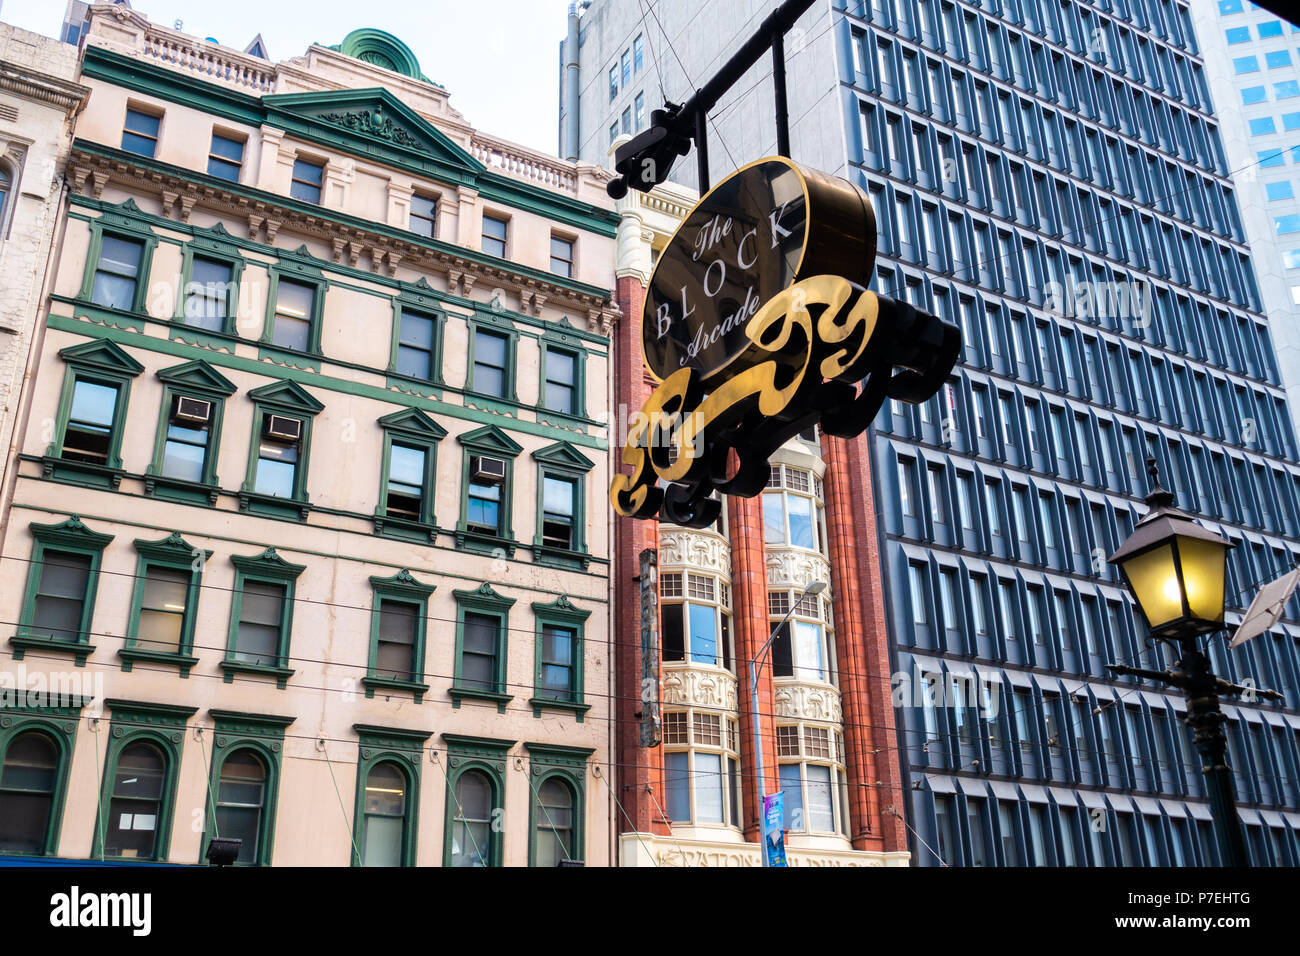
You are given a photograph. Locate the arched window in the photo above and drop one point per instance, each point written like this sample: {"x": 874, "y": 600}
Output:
{"x": 241, "y": 802}
{"x": 28, "y": 780}
{"x": 132, "y": 826}
{"x": 6, "y": 185}
{"x": 471, "y": 832}
{"x": 383, "y": 836}
{"x": 554, "y": 823}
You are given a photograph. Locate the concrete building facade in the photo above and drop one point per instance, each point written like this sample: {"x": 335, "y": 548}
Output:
{"x": 309, "y": 529}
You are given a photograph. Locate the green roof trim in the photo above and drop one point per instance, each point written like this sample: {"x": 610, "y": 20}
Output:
{"x": 371, "y": 114}
{"x": 392, "y": 134}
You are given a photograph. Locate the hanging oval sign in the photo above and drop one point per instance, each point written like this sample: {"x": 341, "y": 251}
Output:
{"x": 756, "y": 233}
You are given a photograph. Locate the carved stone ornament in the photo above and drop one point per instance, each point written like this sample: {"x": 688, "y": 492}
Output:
{"x": 795, "y": 569}
{"x": 374, "y": 124}
{"x": 698, "y": 687}
{"x": 698, "y": 551}
{"x": 801, "y": 701}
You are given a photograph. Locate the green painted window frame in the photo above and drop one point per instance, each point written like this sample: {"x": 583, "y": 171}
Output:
{"x": 559, "y": 340}
{"x": 59, "y": 723}
{"x": 263, "y": 734}
{"x": 403, "y": 588}
{"x": 199, "y": 380}
{"x": 71, "y": 536}
{"x": 101, "y": 362}
{"x": 176, "y": 554}
{"x": 560, "y": 613}
{"x": 418, "y": 300}
{"x": 267, "y": 568}
{"x": 405, "y": 749}
{"x": 162, "y": 725}
{"x": 561, "y": 460}
{"x": 486, "y": 601}
{"x": 487, "y": 755}
{"x": 415, "y": 429}
{"x": 300, "y": 267}
{"x": 494, "y": 324}
{"x": 569, "y": 765}
{"x": 215, "y": 244}
{"x": 292, "y": 401}
{"x": 125, "y": 227}
{"x": 492, "y": 442}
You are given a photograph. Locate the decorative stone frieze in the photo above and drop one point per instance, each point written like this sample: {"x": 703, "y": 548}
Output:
{"x": 687, "y": 686}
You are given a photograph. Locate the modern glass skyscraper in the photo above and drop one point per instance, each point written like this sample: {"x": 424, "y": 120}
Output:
{"x": 1252, "y": 63}
{"x": 1050, "y": 177}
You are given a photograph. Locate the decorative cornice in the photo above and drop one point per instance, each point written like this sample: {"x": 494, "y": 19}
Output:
{"x": 90, "y": 173}
{"x": 43, "y": 88}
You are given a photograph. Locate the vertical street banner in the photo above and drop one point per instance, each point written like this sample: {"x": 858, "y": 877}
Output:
{"x": 650, "y": 730}
{"x": 774, "y": 813}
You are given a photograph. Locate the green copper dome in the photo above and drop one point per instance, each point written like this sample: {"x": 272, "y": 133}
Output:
{"x": 383, "y": 50}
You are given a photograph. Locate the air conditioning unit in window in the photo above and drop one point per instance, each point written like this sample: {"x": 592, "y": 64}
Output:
{"x": 194, "y": 411}
{"x": 491, "y": 470}
{"x": 283, "y": 429}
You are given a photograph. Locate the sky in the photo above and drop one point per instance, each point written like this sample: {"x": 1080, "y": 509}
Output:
{"x": 499, "y": 59}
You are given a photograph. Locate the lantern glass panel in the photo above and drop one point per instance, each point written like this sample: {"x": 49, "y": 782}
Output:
{"x": 1154, "y": 581}
{"x": 1202, "y": 563}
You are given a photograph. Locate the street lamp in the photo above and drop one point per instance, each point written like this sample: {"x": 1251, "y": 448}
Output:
{"x": 1175, "y": 569}
{"x": 755, "y": 668}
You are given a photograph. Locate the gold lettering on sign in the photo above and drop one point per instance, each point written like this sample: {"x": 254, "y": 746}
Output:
{"x": 797, "y": 353}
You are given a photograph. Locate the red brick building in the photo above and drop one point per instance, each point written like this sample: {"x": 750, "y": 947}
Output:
{"x": 826, "y": 724}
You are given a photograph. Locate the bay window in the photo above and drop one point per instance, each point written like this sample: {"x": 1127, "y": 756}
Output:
{"x": 812, "y": 776}
{"x": 702, "y": 768}
{"x": 802, "y": 648}
{"x": 696, "y": 619}
{"x": 793, "y": 513}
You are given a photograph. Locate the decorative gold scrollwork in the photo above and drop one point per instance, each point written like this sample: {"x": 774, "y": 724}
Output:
{"x": 830, "y": 353}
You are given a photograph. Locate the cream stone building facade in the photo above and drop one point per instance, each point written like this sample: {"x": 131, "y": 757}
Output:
{"x": 310, "y": 508}
{"x": 39, "y": 100}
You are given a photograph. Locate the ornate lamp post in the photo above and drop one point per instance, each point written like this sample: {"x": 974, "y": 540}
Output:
{"x": 1175, "y": 569}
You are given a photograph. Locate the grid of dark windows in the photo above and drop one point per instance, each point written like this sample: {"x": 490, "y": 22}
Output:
{"x": 1050, "y": 178}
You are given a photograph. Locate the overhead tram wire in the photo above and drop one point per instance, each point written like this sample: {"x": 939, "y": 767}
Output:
{"x": 771, "y": 737}
{"x": 1151, "y": 645}
{"x": 631, "y": 643}
{"x": 746, "y": 775}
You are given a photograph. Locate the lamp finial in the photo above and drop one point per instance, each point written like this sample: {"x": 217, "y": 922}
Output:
{"x": 1157, "y": 497}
